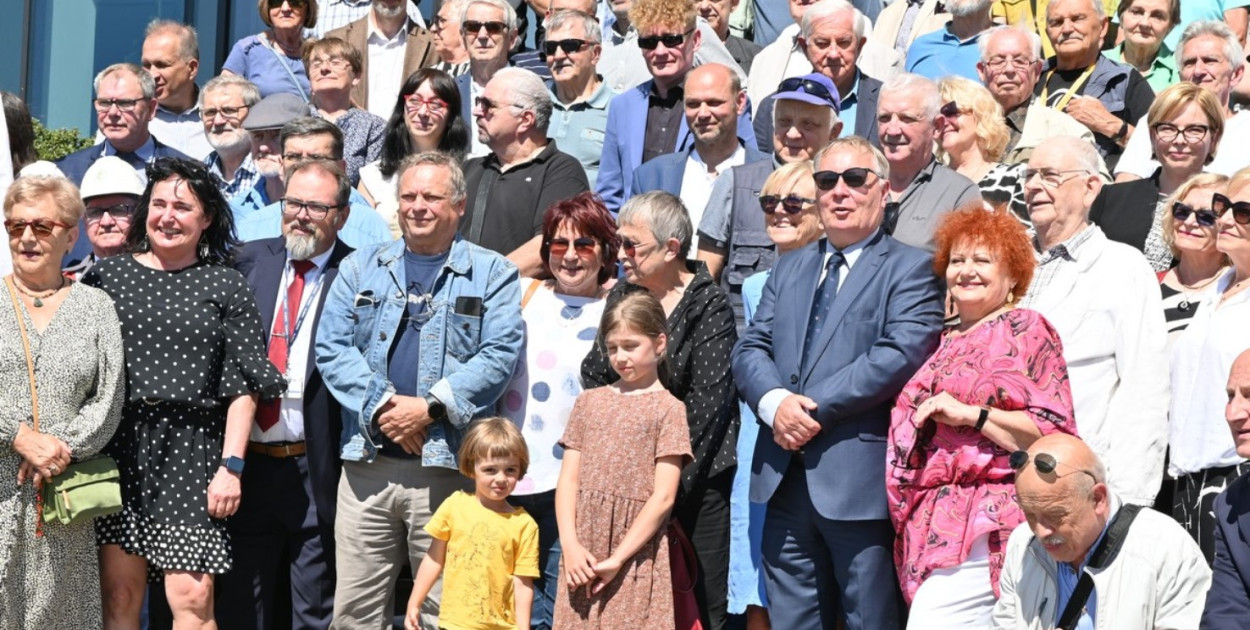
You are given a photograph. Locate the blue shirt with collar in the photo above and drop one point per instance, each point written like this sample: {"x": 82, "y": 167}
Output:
{"x": 941, "y": 53}
{"x": 364, "y": 225}
{"x": 848, "y": 108}
{"x": 1069, "y": 577}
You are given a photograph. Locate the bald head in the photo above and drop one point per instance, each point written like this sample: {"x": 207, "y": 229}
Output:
{"x": 1068, "y": 507}
{"x": 1237, "y": 411}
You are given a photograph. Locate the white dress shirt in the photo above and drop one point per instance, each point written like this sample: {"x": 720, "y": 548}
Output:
{"x": 386, "y": 65}
{"x": 336, "y": 13}
{"x": 290, "y": 425}
{"x": 696, "y": 186}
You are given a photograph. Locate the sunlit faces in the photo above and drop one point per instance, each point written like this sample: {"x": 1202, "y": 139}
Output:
{"x": 1234, "y": 237}
{"x": 428, "y": 216}
{"x": 1189, "y": 235}
{"x": 956, "y": 128}
{"x": 1057, "y": 192}
{"x": 176, "y": 218}
{"x": 445, "y": 27}
{"x": 1184, "y": 141}
{"x": 32, "y": 252}
{"x": 1010, "y": 69}
{"x": 308, "y": 232}
{"x": 633, "y": 355}
{"x": 1203, "y": 62}
{"x": 162, "y": 58}
{"x": 425, "y": 115}
{"x": 1237, "y": 411}
{"x": 1064, "y": 519}
{"x": 496, "y": 124}
{"x": 494, "y": 479}
{"x": 224, "y": 128}
{"x": 977, "y": 279}
{"x": 850, "y": 214}
{"x": 486, "y": 43}
{"x": 572, "y": 67}
{"x": 1074, "y": 28}
{"x": 800, "y": 129}
{"x": 125, "y": 130}
{"x": 576, "y": 269}
{"x": 833, "y": 47}
{"x": 669, "y": 64}
{"x": 287, "y": 15}
{"x": 641, "y": 255}
{"x": 1146, "y": 22}
{"x": 266, "y": 153}
{"x": 711, "y": 107}
{"x": 788, "y": 230}
{"x": 107, "y": 220}
{"x": 906, "y": 131}
{"x": 327, "y": 72}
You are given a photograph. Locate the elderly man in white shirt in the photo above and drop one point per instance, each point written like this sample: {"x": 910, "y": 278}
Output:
{"x": 1104, "y": 300}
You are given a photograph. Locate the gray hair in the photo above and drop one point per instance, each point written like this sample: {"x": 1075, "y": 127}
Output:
{"x": 1099, "y": 10}
{"x": 509, "y": 13}
{"x": 986, "y": 39}
{"x": 825, "y": 9}
{"x": 528, "y": 92}
{"x": 1232, "y": 48}
{"x": 1081, "y": 154}
{"x": 912, "y": 84}
{"x": 147, "y": 84}
{"x": 343, "y": 190}
{"x": 455, "y": 175}
{"x": 590, "y": 25}
{"x": 855, "y": 143}
{"x": 249, "y": 91}
{"x": 662, "y": 214}
{"x": 305, "y": 126}
{"x": 188, "y": 39}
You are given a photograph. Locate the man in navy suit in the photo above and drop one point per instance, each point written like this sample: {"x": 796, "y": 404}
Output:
{"x": 1228, "y": 601}
{"x": 713, "y": 101}
{"x": 841, "y": 326}
{"x": 283, "y": 533}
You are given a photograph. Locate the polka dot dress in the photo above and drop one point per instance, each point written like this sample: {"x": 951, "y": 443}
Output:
{"x": 193, "y": 340}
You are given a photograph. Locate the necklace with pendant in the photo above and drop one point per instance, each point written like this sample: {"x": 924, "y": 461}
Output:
{"x": 38, "y": 299}
{"x": 1188, "y": 298}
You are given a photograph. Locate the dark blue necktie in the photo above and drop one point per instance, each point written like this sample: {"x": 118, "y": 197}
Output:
{"x": 825, "y": 294}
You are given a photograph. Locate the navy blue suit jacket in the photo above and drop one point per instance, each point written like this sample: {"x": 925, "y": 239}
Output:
{"x": 666, "y": 172}
{"x": 465, "y": 83}
{"x": 867, "y": 93}
{"x": 262, "y": 263}
{"x": 1228, "y": 601}
{"x": 882, "y": 325}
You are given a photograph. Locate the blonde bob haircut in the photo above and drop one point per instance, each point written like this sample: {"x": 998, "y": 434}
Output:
{"x": 64, "y": 194}
{"x": 1169, "y": 103}
{"x": 786, "y": 177}
{"x": 493, "y": 438}
{"x": 972, "y": 97}
{"x": 1168, "y": 224}
{"x": 310, "y": 13}
{"x": 647, "y": 14}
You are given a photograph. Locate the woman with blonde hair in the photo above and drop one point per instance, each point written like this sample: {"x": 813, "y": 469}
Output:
{"x": 1189, "y": 231}
{"x": 972, "y": 136}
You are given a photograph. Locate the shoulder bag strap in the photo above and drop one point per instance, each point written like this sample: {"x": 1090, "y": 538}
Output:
{"x": 30, "y": 364}
{"x": 282, "y": 61}
{"x": 529, "y": 293}
{"x": 1106, "y": 551}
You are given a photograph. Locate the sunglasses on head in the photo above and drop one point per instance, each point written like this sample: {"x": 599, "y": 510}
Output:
{"x": 950, "y": 110}
{"x": 807, "y": 86}
{"x": 791, "y": 204}
{"x": 1241, "y": 209}
{"x": 1045, "y": 463}
{"x": 569, "y": 46}
{"x": 492, "y": 27}
{"x": 584, "y": 246}
{"x": 673, "y": 40}
{"x": 854, "y": 177}
{"x": 41, "y": 227}
{"x": 1204, "y": 216}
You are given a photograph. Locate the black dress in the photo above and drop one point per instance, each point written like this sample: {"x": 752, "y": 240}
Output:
{"x": 193, "y": 341}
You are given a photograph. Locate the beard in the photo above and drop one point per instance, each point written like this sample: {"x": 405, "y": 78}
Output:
{"x": 234, "y": 141}
{"x": 300, "y": 246}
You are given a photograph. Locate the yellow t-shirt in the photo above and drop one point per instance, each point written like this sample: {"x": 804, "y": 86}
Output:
{"x": 484, "y": 550}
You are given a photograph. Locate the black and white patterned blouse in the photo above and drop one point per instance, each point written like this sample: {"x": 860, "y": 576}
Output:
{"x": 363, "y": 134}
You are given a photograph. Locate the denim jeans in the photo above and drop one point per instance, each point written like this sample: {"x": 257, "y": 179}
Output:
{"x": 542, "y": 508}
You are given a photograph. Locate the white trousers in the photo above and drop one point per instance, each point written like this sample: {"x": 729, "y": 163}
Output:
{"x": 956, "y": 598}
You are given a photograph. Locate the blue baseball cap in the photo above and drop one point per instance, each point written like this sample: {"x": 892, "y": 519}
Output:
{"x": 814, "y": 88}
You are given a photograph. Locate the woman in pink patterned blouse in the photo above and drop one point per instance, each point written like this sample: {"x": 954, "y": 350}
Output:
{"x": 996, "y": 383}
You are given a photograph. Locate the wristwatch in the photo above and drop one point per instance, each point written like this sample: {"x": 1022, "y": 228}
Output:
{"x": 1119, "y": 135}
{"x": 233, "y": 464}
{"x": 435, "y": 408}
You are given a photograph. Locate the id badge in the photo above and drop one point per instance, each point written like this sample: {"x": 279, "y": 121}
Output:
{"x": 294, "y": 388}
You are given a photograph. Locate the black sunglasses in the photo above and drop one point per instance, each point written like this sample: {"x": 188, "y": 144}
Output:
{"x": 670, "y": 41}
{"x": 807, "y": 86}
{"x": 584, "y": 246}
{"x": 116, "y": 212}
{"x": 569, "y": 46}
{"x": 1241, "y": 209}
{"x": 1204, "y": 216}
{"x": 1045, "y": 463}
{"x": 295, "y": 4}
{"x": 492, "y": 27}
{"x": 950, "y": 110}
{"x": 854, "y": 177}
{"x": 792, "y": 204}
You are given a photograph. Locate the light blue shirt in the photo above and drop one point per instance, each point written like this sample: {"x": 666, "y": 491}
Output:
{"x": 940, "y": 54}
{"x": 364, "y": 225}
{"x": 848, "y": 108}
{"x": 1068, "y": 579}
{"x": 579, "y": 128}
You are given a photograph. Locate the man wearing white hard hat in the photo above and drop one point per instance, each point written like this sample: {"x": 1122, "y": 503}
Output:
{"x": 111, "y": 188}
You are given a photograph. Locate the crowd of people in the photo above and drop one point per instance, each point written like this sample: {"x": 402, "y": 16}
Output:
{"x": 692, "y": 314}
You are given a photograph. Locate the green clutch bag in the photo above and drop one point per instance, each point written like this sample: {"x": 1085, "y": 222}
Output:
{"x": 83, "y": 492}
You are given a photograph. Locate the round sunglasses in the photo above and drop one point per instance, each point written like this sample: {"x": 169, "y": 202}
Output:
{"x": 1241, "y": 209}
{"x": 791, "y": 204}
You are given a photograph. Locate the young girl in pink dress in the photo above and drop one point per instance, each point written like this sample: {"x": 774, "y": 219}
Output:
{"x": 625, "y": 446}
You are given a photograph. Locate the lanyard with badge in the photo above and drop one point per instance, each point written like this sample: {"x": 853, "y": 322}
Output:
{"x": 295, "y": 386}
{"x": 1076, "y": 85}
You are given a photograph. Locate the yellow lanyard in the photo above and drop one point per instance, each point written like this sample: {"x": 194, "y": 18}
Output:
{"x": 1063, "y": 102}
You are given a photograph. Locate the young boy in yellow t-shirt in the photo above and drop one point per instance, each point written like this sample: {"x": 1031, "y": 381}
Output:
{"x": 488, "y": 548}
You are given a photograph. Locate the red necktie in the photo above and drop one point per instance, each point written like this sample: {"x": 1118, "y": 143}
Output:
{"x": 279, "y": 347}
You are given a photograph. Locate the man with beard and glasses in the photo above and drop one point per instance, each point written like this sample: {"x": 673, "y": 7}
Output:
{"x": 952, "y": 50}
{"x": 579, "y": 95}
{"x": 713, "y": 99}
{"x": 285, "y": 523}
{"x": 301, "y": 139}
{"x": 224, "y": 104}
{"x": 392, "y": 46}
{"x": 110, "y": 190}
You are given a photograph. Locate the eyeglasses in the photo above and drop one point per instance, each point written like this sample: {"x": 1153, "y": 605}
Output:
{"x": 229, "y": 113}
{"x": 1193, "y": 134}
{"x": 1222, "y": 204}
{"x": 584, "y": 246}
{"x": 487, "y": 105}
{"x": 630, "y": 247}
{"x": 103, "y": 105}
{"x": 1045, "y": 463}
{"x": 673, "y": 40}
{"x": 569, "y": 46}
{"x": 807, "y": 86}
{"x": 854, "y": 177}
{"x": 414, "y": 102}
{"x": 302, "y": 157}
{"x": 1204, "y": 216}
{"x": 295, "y": 4}
{"x": 998, "y": 63}
{"x": 1051, "y": 178}
{"x": 335, "y": 63}
{"x": 41, "y": 227}
{"x": 950, "y": 110}
{"x": 291, "y": 207}
{"x": 792, "y": 204}
{"x": 492, "y": 27}
{"x": 119, "y": 212}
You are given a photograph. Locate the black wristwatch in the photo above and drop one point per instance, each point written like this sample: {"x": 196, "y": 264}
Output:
{"x": 982, "y": 418}
{"x": 1119, "y": 135}
{"x": 233, "y": 464}
{"x": 435, "y": 408}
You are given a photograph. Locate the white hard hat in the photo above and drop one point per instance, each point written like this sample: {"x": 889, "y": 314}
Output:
{"x": 111, "y": 175}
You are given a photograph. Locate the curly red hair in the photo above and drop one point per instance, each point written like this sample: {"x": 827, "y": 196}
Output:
{"x": 999, "y": 231}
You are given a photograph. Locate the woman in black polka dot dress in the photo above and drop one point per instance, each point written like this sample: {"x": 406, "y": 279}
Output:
{"x": 195, "y": 364}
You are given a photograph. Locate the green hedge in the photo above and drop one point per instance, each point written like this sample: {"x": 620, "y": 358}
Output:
{"x": 54, "y": 144}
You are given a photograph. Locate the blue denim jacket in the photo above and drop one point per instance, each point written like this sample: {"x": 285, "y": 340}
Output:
{"x": 466, "y": 360}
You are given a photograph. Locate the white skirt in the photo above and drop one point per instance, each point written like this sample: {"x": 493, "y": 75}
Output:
{"x": 958, "y": 597}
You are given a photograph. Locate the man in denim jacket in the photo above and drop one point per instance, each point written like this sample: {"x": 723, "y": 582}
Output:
{"x": 418, "y": 336}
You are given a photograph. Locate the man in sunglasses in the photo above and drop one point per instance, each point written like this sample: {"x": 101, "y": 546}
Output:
{"x": 224, "y": 104}
{"x": 1087, "y": 559}
{"x": 392, "y": 46}
{"x": 1104, "y": 300}
{"x": 842, "y": 325}
{"x": 579, "y": 95}
{"x": 110, "y": 190}
{"x": 622, "y": 64}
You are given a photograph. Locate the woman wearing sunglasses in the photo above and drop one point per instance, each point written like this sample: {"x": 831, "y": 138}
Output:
{"x": 1189, "y": 231}
{"x": 426, "y": 118}
{"x": 972, "y": 137}
{"x": 1186, "y": 122}
{"x": 334, "y": 68}
{"x": 996, "y": 383}
{"x": 273, "y": 59}
{"x": 1202, "y": 455}
{"x": 197, "y": 364}
{"x": 49, "y": 574}
{"x": 561, "y": 318}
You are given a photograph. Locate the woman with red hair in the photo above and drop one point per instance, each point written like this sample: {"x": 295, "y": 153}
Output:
{"x": 996, "y": 383}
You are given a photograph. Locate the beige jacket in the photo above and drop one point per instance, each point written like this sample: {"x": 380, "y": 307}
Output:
{"x": 891, "y": 20}
{"x": 418, "y": 53}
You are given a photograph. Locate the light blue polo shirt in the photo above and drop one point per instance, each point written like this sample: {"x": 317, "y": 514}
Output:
{"x": 848, "y": 108}
{"x": 941, "y": 54}
{"x": 579, "y": 128}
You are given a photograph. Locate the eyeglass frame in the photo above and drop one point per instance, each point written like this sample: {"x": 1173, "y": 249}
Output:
{"x": 125, "y": 105}
{"x": 786, "y": 203}
{"x": 999, "y": 62}
{"x": 433, "y": 106}
{"x": 315, "y": 211}
{"x": 652, "y": 42}
{"x": 99, "y": 212}
{"x": 39, "y": 227}
{"x": 841, "y": 176}
{"x": 1180, "y": 213}
{"x": 1043, "y": 173}
{"x": 208, "y": 115}
{"x": 583, "y": 246}
{"x": 1174, "y": 131}
{"x": 1237, "y": 207}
